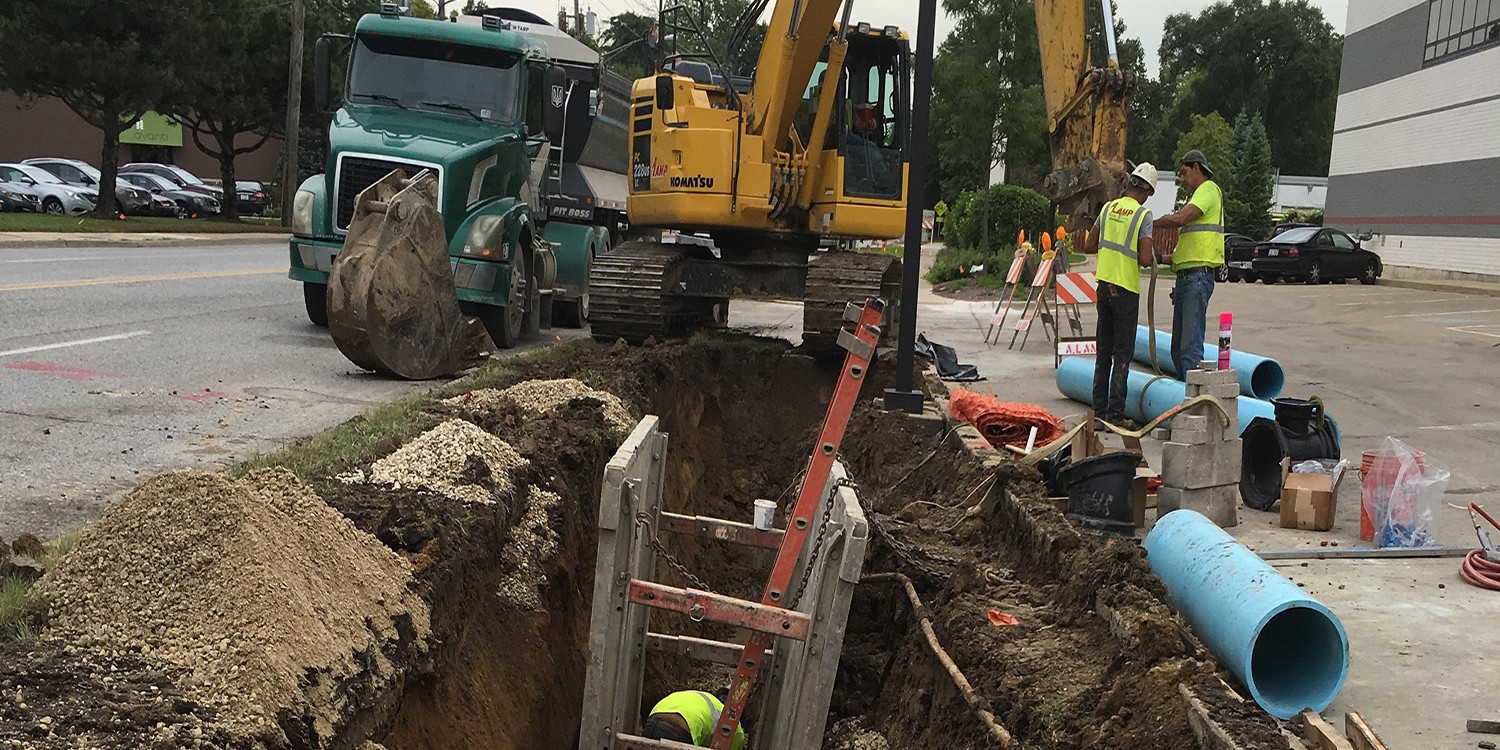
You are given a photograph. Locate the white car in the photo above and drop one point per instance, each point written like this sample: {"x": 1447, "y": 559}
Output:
{"x": 55, "y": 196}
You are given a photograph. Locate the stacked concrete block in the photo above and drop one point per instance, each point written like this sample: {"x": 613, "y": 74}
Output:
{"x": 1200, "y": 465}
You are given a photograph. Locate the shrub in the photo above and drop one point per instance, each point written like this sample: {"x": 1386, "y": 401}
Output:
{"x": 946, "y": 266}
{"x": 1012, "y": 208}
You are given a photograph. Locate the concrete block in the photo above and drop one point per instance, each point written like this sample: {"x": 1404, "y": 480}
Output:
{"x": 1161, "y": 433}
{"x": 1190, "y": 437}
{"x": 1189, "y": 466}
{"x": 1211, "y": 377}
{"x": 932, "y": 419}
{"x": 1220, "y": 504}
{"x": 1222, "y": 391}
{"x": 1190, "y": 423}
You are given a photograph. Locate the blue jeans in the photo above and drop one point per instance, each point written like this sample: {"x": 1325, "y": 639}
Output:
{"x": 1189, "y": 316}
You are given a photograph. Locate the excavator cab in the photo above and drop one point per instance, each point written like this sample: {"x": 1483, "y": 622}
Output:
{"x": 873, "y": 113}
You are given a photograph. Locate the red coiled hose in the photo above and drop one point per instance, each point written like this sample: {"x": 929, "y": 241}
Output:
{"x": 1475, "y": 568}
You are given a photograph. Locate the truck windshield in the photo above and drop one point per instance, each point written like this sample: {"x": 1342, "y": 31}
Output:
{"x": 474, "y": 82}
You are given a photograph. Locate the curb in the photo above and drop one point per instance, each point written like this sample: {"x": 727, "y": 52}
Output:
{"x": 144, "y": 240}
{"x": 1443, "y": 286}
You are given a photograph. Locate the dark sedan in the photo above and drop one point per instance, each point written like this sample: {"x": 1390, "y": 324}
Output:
{"x": 1238, "y": 250}
{"x": 1314, "y": 255}
{"x": 189, "y": 203}
{"x": 251, "y": 197}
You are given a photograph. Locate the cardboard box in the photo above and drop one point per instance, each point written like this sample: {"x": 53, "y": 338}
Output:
{"x": 1308, "y": 501}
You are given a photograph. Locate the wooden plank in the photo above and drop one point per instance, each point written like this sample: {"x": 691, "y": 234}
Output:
{"x": 698, "y": 649}
{"x": 718, "y": 528}
{"x": 1372, "y": 553}
{"x": 1209, "y": 734}
{"x": 1360, "y": 733}
{"x": 1320, "y": 733}
{"x": 1484, "y": 726}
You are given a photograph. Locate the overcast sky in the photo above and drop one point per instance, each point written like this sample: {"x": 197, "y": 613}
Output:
{"x": 1143, "y": 18}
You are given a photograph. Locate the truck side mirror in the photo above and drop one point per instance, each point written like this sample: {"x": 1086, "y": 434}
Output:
{"x": 665, "y": 92}
{"x": 555, "y": 105}
{"x": 322, "y": 89}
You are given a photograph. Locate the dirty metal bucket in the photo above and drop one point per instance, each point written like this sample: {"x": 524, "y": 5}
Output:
{"x": 1101, "y": 492}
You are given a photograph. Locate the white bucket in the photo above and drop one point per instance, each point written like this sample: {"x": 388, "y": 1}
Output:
{"x": 765, "y": 511}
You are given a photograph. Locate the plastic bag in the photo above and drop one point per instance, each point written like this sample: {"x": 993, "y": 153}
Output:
{"x": 1402, "y": 492}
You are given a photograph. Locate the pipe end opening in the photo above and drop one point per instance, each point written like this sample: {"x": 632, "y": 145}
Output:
{"x": 1267, "y": 380}
{"x": 1299, "y": 660}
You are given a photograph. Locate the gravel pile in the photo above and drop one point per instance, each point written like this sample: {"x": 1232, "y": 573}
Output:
{"x": 541, "y": 397}
{"x": 456, "y": 459}
{"x": 258, "y": 588}
{"x": 532, "y": 543}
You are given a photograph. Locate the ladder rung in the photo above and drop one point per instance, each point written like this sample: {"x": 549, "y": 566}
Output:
{"x": 703, "y": 605}
{"x": 718, "y": 528}
{"x": 631, "y": 742}
{"x": 699, "y": 649}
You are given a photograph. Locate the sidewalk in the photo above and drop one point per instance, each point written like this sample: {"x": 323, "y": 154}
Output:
{"x": 1483, "y": 288}
{"x": 136, "y": 239}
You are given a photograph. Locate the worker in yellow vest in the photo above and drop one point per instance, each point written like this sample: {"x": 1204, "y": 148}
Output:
{"x": 1122, "y": 235}
{"x": 1199, "y": 253}
{"x": 689, "y": 717}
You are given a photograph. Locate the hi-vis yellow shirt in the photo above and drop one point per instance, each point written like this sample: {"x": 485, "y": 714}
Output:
{"x": 1121, "y": 223}
{"x": 701, "y": 712}
{"x": 1201, "y": 243}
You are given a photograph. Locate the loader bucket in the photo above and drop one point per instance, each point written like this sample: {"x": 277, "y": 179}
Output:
{"x": 391, "y": 302}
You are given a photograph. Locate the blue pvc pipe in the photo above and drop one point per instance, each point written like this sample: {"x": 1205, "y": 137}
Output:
{"x": 1261, "y": 377}
{"x": 1288, "y": 649}
{"x": 1075, "y": 379}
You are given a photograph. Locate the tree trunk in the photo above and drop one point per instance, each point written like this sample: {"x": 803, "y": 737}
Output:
{"x": 229, "y": 205}
{"x": 109, "y": 167}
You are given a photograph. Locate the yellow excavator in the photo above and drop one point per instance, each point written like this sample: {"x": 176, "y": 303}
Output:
{"x": 750, "y": 179}
{"x": 1086, "y": 111}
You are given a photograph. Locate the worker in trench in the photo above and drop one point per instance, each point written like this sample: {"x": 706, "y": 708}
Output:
{"x": 1199, "y": 253}
{"x": 1122, "y": 237}
{"x": 689, "y": 717}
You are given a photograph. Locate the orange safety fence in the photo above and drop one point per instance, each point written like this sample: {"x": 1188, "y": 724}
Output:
{"x": 1004, "y": 423}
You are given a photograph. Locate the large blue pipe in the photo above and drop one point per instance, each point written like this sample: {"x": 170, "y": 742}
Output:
{"x": 1289, "y": 650}
{"x": 1259, "y": 376}
{"x": 1075, "y": 379}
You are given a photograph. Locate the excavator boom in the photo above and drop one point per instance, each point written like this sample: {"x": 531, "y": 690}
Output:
{"x": 1087, "y": 110}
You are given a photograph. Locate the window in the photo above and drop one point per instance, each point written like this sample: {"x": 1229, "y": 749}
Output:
{"x": 1455, "y": 26}
{"x": 1342, "y": 241}
{"x": 406, "y": 72}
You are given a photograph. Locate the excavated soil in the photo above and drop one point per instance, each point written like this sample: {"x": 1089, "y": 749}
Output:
{"x": 1094, "y": 660}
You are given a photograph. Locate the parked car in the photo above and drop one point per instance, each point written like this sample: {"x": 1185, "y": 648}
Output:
{"x": 128, "y": 199}
{"x": 1238, "y": 249}
{"x": 1279, "y": 228}
{"x": 55, "y": 196}
{"x": 1314, "y": 255}
{"x": 251, "y": 197}
{"x": 178, "y": 176}
{"x": 16, "y": 198}
{"x": 188, "y": 203}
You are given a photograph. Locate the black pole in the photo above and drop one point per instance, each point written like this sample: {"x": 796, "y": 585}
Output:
{"x": 904, "y": 397}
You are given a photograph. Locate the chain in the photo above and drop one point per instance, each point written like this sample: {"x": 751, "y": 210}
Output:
{"x": 644, "y": 521}
{"x": 817, "y": 547}
{"x": 907, "y": 552}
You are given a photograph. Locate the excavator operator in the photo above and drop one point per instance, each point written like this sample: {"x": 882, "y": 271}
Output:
{"x": 689, "y": 717}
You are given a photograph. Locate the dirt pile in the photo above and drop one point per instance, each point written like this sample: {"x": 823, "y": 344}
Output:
{"x": 456, "y": 459}
{"x": 538, "y": 397}
{"x": 285, "y": 619}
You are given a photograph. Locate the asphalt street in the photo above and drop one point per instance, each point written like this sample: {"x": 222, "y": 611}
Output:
{"x": 118, "y": 362}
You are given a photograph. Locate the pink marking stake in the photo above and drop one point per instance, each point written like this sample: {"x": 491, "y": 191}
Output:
{"x": 1225, "y": 319}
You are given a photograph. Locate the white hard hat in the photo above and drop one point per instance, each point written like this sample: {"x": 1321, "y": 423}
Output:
{"x": 1146, "y": 175}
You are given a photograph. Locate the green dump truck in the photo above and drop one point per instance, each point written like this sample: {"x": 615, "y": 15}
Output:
{"x": 499, "y": 108}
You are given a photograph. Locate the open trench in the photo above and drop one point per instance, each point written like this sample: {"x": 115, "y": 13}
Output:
{"x": 1095, "y": 660}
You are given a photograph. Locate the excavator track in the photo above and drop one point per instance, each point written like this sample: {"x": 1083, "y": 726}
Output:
{"x": 631, "y": 295}
{"x": 834, "y": 280}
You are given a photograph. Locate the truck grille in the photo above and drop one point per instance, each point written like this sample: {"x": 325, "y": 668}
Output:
{"x": 359, "y": 172}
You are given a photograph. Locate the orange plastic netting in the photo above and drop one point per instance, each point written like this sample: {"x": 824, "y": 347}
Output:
{"x": 1004, "y": 423}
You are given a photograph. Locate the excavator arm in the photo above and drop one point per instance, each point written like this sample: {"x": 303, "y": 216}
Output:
{"x": 1086, "y": 112}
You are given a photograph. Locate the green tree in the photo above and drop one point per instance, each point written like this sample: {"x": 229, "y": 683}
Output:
{"x": 1253, "y": 190}
{"x": 423, "y": 9}
{"x": 243, "y": 92}
{"x": 108, "y": 62}
{"x": 1278, "y": 60}
{"x": 1211, "y": 135}
{"x": 628, "y": 46}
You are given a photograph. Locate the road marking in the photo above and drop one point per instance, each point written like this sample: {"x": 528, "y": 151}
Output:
{"x": 1407, "y": 302}
{"x": 52, "y": 260}
{"x": 1471, "y": 426}
{"x": 1469, "y": 329}
{"x": 125, "y": 257}
{"x": 63, "y": 371}
{"x": 135, "y": 279}
{"x": 79, "y": 342}
{"x": 1455, "y": 312}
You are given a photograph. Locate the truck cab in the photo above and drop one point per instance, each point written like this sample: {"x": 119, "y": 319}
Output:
{"x": 468, "y": 104}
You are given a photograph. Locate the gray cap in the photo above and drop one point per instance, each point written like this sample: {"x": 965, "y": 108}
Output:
{"x": 1196, "y": 157}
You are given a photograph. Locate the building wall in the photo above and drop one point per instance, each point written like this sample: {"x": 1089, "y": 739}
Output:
{"x": 46, "y": 127}
{"x": 1415, "y": 159}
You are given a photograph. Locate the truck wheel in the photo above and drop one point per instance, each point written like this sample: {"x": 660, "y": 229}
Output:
{"x": 506, "y": 324}
{"x": 1268, "y": 279}
{"x": 571, "y": 313}
{"x": 315, "y": 297}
